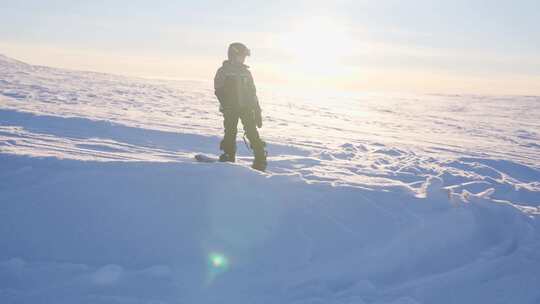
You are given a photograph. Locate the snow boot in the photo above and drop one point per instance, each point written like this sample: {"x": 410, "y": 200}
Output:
{"x": 259, "y": 163}
{"x": 226, "y": 157}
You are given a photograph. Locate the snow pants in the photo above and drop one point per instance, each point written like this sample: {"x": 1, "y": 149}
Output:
{"x": 230, "y": 123}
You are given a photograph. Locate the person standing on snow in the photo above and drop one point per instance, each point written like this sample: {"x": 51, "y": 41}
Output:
{"x": 235, "y": 90}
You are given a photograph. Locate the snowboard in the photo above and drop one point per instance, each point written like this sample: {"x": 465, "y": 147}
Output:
{"x": 202, "y": 158}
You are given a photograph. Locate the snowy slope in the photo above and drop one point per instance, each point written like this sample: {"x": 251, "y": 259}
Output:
{"x": 368, "y": 199}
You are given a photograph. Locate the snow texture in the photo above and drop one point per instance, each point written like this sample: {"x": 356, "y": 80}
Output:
{"x": 368, "y": 198}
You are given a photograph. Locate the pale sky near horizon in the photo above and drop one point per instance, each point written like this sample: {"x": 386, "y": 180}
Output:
{"x": 390, "y": 45}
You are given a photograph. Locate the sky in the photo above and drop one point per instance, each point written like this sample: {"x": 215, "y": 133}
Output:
{"x": 487, "y": 47}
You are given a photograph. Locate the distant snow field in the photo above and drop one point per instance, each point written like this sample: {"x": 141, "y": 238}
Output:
{"x": 368, "y": 198}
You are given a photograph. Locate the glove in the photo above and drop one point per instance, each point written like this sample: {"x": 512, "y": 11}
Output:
{"x": 258, "y": 118}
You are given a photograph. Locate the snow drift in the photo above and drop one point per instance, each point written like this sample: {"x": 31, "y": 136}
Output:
{"x": 101, "y": 202}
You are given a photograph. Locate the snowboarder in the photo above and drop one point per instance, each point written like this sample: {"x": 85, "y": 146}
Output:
{"x": 235, "y": 90}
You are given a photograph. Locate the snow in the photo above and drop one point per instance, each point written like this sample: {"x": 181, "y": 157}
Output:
{"x": 368, "y": 198}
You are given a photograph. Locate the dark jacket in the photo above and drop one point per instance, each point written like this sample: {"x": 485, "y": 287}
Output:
{"x": 234, "y": 87}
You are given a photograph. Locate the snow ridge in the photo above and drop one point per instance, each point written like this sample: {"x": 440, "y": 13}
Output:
{"x": 4, "y": 60}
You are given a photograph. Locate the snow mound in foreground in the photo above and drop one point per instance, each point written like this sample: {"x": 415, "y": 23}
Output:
{"x": 135, "y": 232}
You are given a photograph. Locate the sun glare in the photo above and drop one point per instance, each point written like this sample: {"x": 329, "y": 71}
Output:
{"x": 317, "y": 46}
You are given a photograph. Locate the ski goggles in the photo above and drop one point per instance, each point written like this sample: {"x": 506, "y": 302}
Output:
{"x": 243, "y": 52}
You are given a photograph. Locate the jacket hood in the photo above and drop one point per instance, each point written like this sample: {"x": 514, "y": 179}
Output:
{"x": 231, "y": 64}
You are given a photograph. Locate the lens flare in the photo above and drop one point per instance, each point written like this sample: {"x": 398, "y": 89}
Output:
{"x": 217, "y": 264}
{"x": 218, "y": 261}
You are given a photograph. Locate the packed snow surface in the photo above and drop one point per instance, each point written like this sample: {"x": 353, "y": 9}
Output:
{"x": 368, "y": 198}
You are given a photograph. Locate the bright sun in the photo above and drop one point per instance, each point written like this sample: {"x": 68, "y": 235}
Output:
{"x": 317, "y": 46}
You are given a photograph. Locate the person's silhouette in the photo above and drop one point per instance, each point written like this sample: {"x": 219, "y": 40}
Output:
{"x": 235, "y": 90}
